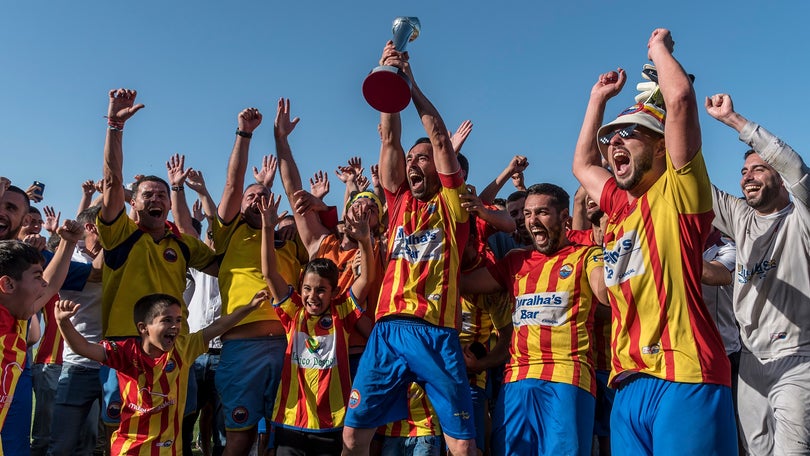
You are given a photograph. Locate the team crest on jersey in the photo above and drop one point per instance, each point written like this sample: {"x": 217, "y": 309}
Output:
{"x": 430, "y": 208}
{"x": 170, "y": 365}
{"x": 325, "y": 322}
{"x": 566, "y": 270}
{"x": 239, "y": 414}
{"x": 170, "y": 255}
{"x": 653, "y": 349}
{"x": 166, "y": 444}
{"x": 354, "y": 398}
{"x": 114, "y": 410}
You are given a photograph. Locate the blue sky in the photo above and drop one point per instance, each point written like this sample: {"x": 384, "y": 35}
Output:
{"x": 521, "y": 71}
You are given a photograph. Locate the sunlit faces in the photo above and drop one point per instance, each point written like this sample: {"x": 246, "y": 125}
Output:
{"x": 250, "y": 204}
{"x": 13, "y": 209}
{"x": 762, "y": 186}
{"x": 20, "y": 296}
{"x": 421, "y": 172}
{"x": 152, "y": 204}
{"x": 160, "y": 334}
{"x": 515, "y": 210}
{"x": 630, "y": 154}
{"x": 545, "y": 224}
{"x": 368, "y": 205}
{"x": 316, "y": 293}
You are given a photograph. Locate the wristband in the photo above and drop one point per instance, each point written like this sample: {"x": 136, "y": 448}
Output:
{"x": 244, "y": 134}
{"x": 115, "y": 125}
{"x": 177, "y": 188}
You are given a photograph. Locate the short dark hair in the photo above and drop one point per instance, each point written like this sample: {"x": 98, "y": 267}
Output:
{"x": 15, "y": 189}
{"x": 464, "y": 163}
{"x": 499, "y": 202}
{"x": 150, "y": 306}
{"x": 149, "y": 178}
{"x": 559, "y": 197}
{"x": 422, "y": 140}
{"x": 16, "y": 257}
{"x": 514, "y": 196}
{"x": 323, "y": 267}
{"x": 749, "y": 152}
{"x": 89, "y": 215}
{"x": 34, "y": 210}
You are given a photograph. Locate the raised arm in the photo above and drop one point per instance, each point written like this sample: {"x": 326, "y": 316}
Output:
{"x": 357, "y": 227}
{"x": 88, "y": 190}
{"x": 786, "y": 161}
{"x": 310, "y": 228}
{"x": 682, "y": 128}
{"x": 196, "y": 182}
{"x": 500, "y": 220}
{"x": 65, "y": 309}
{"x": 226, "y": 322}
{"x": 279, "y": 288}
{"x": 177, "y": 174}
{"x": 121, "y": 107}
{"x": 57, "y": 270}
{"x": 517, "y": 164}
{"x": 587, "y": 165}
{"x": 231, "y": 203}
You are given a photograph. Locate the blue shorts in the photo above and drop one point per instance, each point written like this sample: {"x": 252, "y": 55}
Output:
{"x": 16, "y": 433}
{"x": 654, "y": 416}
{"x": 540, "y": 417}
{"x": 604, "y": 404}
{"x": 247, "y": 379}
{"x": 110, "y": 396}
{"x": 400, "y": 352}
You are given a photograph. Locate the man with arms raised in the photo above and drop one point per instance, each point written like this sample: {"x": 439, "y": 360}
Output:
{"x": 669, "y": 363}
{"x": 771, "y": 290}
{"x": 418, "y": 316}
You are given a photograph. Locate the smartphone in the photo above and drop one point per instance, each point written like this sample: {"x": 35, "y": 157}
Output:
{"x": 39, "y": 188}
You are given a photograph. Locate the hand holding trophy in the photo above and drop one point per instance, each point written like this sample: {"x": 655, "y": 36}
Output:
{"x": 387, "y": 88}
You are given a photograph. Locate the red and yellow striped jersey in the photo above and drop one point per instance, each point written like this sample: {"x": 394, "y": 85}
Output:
{"x": 553, "y": 314}
{"x": 12, "y": 338}
{"x": 653, "y": 264}
{"x": 421, "y": 419}
{"x": 330, "y": 248}
{"x": 425, "y": 240}
{"x": 315, "y": 380}
{"x": 50, "y": 345}
{"x": 153, "y": 394}
{"x": 481, "y": 316}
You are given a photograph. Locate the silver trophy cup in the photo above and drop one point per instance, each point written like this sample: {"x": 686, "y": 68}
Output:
{"x": 387, "y": 88}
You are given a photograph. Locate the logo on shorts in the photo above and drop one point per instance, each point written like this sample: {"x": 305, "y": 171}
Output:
{"x": 566, "y": 270}
{"x": 325, "y": 322}
{"x": 165, "y": 444}
{"x": 239, "y": 414}
{"x": 354, "y": 398}
{"x": 463, "y": 415}
{"x": 114, "y": 410}
{"x": 170, "y": 255}
{"x": 170, "y": 365}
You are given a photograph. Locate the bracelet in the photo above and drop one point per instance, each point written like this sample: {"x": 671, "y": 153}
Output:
{"x": 244, "y": 134}
{"x": 115, "y": 125}
{"x": 177, "y": 188}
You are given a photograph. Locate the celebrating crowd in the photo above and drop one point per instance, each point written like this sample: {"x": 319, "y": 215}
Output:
{"x": 652, "y": 313}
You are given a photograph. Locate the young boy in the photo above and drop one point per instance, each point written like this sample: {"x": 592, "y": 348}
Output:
{"x": 153, "y": 372}
{"x": 311, "y": 401}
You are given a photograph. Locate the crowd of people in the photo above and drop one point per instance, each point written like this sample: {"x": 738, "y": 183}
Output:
{"x": 650, "y": 313}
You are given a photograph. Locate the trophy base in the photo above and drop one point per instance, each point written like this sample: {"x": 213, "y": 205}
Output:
{"x": 387, "y": 89}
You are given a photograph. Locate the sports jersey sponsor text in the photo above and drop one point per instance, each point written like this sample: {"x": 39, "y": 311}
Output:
{"x": 314, "y": 352}
{"x": 760, "y": 270}
{"x": 623, "y": 260}
{"x": 417, "y": 247}
{"x": 546, "y": 309}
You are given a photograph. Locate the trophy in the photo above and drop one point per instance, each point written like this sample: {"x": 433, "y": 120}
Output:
{"x": 387, "y": 88}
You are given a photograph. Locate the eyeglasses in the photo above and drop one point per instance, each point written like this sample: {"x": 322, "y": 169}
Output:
{"x": 625, "y": 132}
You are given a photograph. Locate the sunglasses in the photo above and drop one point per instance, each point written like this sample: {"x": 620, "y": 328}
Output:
{"x": 625, "y": 132}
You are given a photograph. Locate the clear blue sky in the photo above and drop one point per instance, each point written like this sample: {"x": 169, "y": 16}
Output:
{"x": 521, "y": 71}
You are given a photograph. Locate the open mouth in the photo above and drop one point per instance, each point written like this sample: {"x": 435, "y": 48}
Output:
{"x": 155, "y": 212}
{"x": 751, "y": 188}
{"x": 539, "y": 234}
{"x": 621, "y": 162}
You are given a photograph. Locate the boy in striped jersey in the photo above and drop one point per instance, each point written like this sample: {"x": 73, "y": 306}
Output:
{"x": 315, "y": 381}
{"x": 153, "y": 370}
{"x": 668, "y": 359}
{"x": 555, "y": 287}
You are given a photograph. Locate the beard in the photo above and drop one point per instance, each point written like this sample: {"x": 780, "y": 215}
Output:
{"x": 642, "y": 164}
